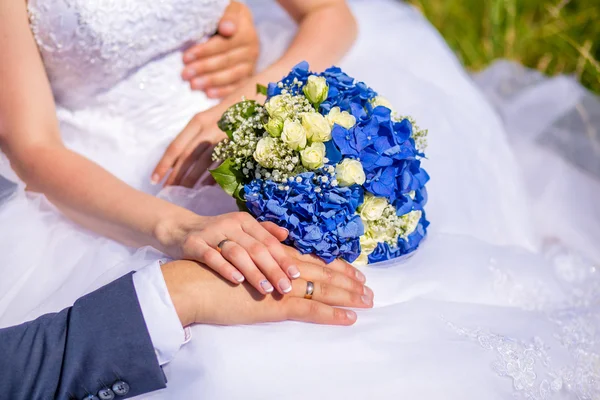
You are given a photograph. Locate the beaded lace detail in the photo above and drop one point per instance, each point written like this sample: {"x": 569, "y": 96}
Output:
{"x": 89, "y": 46}
{"x": 576, "y": 326}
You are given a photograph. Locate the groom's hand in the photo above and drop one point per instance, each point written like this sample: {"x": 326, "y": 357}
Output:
{"x": 219, "y": 65}
{"x": 201, "y": 296}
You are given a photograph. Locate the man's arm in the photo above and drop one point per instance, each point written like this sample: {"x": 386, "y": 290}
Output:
{"x": 99, "y": 342}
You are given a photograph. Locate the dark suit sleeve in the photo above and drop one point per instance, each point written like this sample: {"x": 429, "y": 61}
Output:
{"x": 100, "y": 340}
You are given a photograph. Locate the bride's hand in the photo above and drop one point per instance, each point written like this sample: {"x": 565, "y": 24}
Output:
{"x": 236, "y": 246}
{"x": 190, "y": 154}
{"x": 221, "y": 64}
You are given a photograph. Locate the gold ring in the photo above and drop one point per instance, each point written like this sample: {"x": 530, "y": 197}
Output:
{"x": 310, "y": 289}
{"x": 221, "y": 244}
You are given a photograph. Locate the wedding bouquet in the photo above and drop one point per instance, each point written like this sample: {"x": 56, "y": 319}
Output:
{"x": 327, "y": 158}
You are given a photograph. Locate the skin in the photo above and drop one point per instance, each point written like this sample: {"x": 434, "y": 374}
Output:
{"x": 96, "y": 199}
{"x": 326, "y": 22}
{"x": 200, "y": 296}
{"x": 227, "y": 60}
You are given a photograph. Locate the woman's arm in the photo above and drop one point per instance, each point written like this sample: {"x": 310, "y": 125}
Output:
{"x": 30, "y": 137}
{"x": 326, "y": 31}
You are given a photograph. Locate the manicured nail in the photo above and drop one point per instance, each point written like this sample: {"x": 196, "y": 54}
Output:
{"x": 293, "y": 272}
{"x": 199, "y": 83}
{"x": 238, "y": 277}
{"x": 155, "y": 178}
{"x": 360, "y": 276}
{"x": 266, "y": 286}
{"x": 187, "y": 57}
{"x": 227, "y": 26}
{"x": 189, "y": 73}
{"x": 368, "y": 292}
{"x": 366, "y": 299}
{"x": 351, "y": 315}
{"x": 285, "y": 285}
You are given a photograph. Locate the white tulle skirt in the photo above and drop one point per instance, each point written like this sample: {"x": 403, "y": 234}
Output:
{"x": 502, "y": 299}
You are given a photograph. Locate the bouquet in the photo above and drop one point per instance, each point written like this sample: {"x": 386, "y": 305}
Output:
{"x": 329, "y": 160}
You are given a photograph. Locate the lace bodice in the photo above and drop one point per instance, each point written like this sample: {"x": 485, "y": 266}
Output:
{"x": 88, "y": 46}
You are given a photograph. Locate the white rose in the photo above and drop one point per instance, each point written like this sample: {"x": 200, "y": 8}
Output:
{"x": 372, "y": 208}
{"x": 264, "y": 150}
{"x": 362, "y": 260}
{"x": 367, "y": 244}
{"x": 277, "y": 107}
{"x": 316, "y": 89}
{"x": 274, "y": 127}
{"x": 313, "y": 156}
{"x": 382, "y": 101}
{"x": 294, "y": 135}
{"x": 342, "y": 118}
{"x": 317, "y": 127}
{"x": 349, "y": 172}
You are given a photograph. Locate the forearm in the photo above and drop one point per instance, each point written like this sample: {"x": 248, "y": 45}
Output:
{"x": 323, "y": 37}
{"x": 96, "y": 199}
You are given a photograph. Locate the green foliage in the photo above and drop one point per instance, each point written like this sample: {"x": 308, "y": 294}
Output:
{"x": 233, "y": 117}
{"x": 554, "y": 36}
{"x": 261, "y": 89}
{"x": 230, "y": 179}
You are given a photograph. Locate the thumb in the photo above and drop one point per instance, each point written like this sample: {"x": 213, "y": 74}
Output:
{"x": 229, "y": 22}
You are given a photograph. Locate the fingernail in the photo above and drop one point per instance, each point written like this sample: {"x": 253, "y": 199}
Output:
{"x": 368, "y": 292}
{"x": 199, "y": 83}
{"x": 284, "y": 285}
{"x": 155, "y": 178}
{"x": 287, "y": 231}
{"x": 189, "y": 73}
{"x": 366, "y": 299}
{"x": 360, "y": 276}
{"x": 187, "y": 57}
{"x": 293, "y": 272}
{"x": 266, "y": 286}
{"x": 351, "y": 315}
{"x": 227, "y": 26}
{"x": 238, "y": 277}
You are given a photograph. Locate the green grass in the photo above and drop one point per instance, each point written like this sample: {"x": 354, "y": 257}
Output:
{"x": 554, "y": 36}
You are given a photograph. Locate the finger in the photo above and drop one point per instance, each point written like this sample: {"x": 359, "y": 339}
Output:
{"x": 215, "y": 45}
{"x": 264, "y": 260}
{"x": 201, "y": 163}
{"x": 205, "y": 254}
{"x": 218, "y": 62}
{"x": 324, "y": 274}
{"x": 280, "y": 233}
{"x": 336, "y": 265}
{"x": 175, "y": 149}
{"x": 273, "y": 246}
{"x": 227, "y": 28}
{"x": 222, "y": 78}
{"x": 240, "y": 259}
{"x": 186, "y": 159}
{"x": 317, "y": 313}
{"x": 332, "y": 295}
{"x": 224, "y": 91}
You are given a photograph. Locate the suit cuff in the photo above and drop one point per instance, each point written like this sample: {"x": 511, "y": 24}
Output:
{"x": 159, "y": 313}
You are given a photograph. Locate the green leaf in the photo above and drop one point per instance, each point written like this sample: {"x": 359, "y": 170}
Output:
{"x": 261, "y": 89}
{"x": 229, "y": 178}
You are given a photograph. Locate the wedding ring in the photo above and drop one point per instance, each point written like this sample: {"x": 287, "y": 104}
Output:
{"x": 310, "y": 288}
{"x": 221, "y": 244}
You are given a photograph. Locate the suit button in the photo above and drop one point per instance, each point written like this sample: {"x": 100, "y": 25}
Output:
{"x": 106, "y": 394}
{"x": 121, "y": 388}
{"x": 90, "y": 397}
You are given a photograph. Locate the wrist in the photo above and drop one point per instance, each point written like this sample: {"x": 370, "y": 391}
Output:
{"x": 170, "y": 231}
{"x": 181, "y": 280}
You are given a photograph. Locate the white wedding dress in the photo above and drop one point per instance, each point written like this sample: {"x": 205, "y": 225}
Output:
{"x": 501, "y": 301}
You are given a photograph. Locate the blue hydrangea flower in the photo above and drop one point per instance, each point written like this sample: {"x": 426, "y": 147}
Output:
{"x": 384, "y": 251}
{"x": 324, "y": 223}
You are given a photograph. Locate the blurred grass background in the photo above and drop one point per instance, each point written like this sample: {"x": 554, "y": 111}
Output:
{"x": 554, "y": 36}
